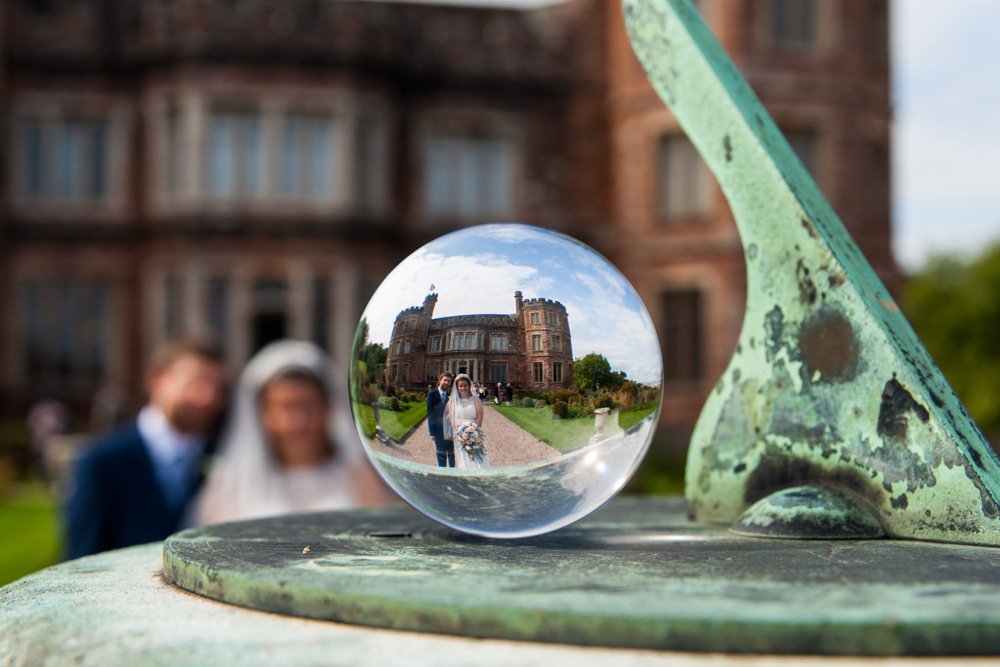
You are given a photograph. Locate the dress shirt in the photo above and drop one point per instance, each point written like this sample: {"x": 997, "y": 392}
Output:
{"x": 174, "y": 454}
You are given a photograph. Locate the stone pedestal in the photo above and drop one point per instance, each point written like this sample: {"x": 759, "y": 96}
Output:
{"x": 634, "y": 575}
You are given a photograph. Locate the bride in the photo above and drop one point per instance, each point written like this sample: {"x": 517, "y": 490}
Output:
{"x": 464, "y": 407}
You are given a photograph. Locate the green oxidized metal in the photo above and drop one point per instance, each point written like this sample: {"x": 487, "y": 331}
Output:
{"x": 829, "y": 385}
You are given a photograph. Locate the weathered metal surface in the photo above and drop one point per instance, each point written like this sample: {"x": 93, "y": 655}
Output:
{"x": 634, "y": 574}
{"x": 809, "y": 512}
{"x": 829, "y": 385}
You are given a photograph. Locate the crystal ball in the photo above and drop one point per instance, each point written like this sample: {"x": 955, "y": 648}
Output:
{"x": 506, "y": 380}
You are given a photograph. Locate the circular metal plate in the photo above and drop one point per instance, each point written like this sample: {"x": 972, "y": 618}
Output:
{"x": 634, "y": 574}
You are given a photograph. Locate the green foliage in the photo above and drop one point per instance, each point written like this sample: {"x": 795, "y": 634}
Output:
{"x": 527, "y": 402}
{"x": 560, "y": 410}
{"x": 540, "y": 403}
{"x": 593, "y": 372}
{"x": 563, "y": 395}
{"x": 955, "y": 309}
{"x": 374, "y": 357}
{"x": 30, "y": 528}
{"x": 394, "y": 404}
{"x": 605, "y": 400}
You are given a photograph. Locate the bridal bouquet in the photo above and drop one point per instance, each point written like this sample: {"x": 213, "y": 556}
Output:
{"x": 470, "y": 438}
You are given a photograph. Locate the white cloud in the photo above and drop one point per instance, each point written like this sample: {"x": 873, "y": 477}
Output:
{"x": 946, "y": 140}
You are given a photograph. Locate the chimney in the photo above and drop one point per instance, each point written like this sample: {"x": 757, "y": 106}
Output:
{"x": 518, "y": 305}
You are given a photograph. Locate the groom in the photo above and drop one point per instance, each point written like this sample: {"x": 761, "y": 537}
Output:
{"x": 436, "y": 398}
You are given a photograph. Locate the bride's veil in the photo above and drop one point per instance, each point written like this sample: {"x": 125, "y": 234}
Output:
{"x": 245, "y": 471}
{"x": 453, "y": 398}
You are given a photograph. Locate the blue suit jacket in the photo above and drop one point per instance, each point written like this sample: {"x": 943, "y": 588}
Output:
{"x": 435, "y": 414}
{"x": 115, "y": 500}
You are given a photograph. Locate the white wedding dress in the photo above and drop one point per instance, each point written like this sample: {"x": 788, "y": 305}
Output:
{"x": 465, "y": 410}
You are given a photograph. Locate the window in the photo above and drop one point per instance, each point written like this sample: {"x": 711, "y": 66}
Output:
{"x": 395, "y": 347}
{"x": 407, "y": 347}
{"x": 434, "y": 344}
{"x": 465, "y": 340}
{"x": 468, "y": 175}
{"x": 307, "y": 151}
{"x": 552, "y": 319}
{"x": 433, "y": 370}
{"x": 536, "y": 318}
{"x": 498, "y": 371}
{"x": 793, "y": 22}
{"x": 498, "y": 342}
{"x": 556, "y": 343}
{"x": 66, "y": 331}
{"x": 537, "y": 371}
{"x": 235, "y": 159}
{"x": 684, "y": 182}
{"x": 394, "y": 372}
{"x": 536, "y": 343}
{"x": 62, "y": 160}
{"x": 369, "y": 173}
{"x": 216, "y": 300}
{"x": 404, "y": 373}
{"x": 681, "y": 331}
{"x": 557, "y": 372}
{"x": 321, "y": 312}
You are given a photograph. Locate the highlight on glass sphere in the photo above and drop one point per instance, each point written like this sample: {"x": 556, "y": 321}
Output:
{"x": 506, "y": 380}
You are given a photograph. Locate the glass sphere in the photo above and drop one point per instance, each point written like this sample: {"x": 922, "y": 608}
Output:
{"x": 557, "y": 380}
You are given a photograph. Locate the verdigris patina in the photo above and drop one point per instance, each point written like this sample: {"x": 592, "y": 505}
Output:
{"x": 829, "y": 386}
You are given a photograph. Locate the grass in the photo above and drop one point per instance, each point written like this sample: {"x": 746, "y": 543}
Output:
{"x": 396, "y": 424}
{"x": 29, "y": 531}
{"x": 565, "y": 435}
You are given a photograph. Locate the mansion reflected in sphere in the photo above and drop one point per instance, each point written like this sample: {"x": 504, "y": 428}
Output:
{"x": 506, "y": 380}
{"x": 531, "y": 347}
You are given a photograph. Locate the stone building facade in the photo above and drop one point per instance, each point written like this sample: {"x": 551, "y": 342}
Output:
{"x": 253, "y": 170}
{"x": 531, "y": 348}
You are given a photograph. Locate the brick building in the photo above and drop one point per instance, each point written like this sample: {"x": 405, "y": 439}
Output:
{"x": 254, "y": 169}
{"x": 531, "y": 348}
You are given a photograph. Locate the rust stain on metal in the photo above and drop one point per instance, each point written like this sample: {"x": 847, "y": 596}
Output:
{"x": 827, "y": 344}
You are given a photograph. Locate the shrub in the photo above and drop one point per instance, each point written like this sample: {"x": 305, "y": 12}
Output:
{"x": 604, "y": 400}
{"x": 527, "y": 402}
{"x": 384, "y": 402}
{"x": 367, "y": 394}
{"x": 630, "y": 388}
{"x": 394, "y": 404}
{"x": 390, "y": 390}
{"x": 574, "y": 411}
{"x": 564, "y": 395}
{"x": 560, "y": 409}
{"x": 540, "y": 403}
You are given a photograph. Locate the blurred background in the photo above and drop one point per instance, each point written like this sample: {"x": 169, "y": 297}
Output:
{"x": 253, "y": 169}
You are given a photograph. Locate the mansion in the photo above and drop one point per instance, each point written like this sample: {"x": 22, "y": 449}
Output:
{"x": 530, "y": 349}
{"x": 252, "y": 170}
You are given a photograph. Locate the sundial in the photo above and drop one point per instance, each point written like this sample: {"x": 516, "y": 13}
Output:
{"x": 839, "y": 499}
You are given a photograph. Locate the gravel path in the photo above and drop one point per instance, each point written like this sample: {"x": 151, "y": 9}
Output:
{"x": 506, "y": 443}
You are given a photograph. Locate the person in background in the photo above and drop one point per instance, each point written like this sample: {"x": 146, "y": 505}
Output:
{"x": 289, "y": 445}
{"x": 134, "y": 485}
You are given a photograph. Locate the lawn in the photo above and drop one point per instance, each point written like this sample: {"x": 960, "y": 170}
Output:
{"x": 565, "y": 435}
{"x": 29, "y": 531}
{"x": 395, "y": 424}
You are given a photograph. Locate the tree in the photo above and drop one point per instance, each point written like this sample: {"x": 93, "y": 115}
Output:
{"x": 954, "y": 307}
{"x": 593, "y": 371}
{"x": 375, "y": 356}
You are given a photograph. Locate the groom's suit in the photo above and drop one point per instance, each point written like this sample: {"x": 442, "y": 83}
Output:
{"x": 435, "y": 424}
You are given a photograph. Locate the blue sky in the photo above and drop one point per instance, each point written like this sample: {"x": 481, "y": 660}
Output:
{"x": 477, "y": 270}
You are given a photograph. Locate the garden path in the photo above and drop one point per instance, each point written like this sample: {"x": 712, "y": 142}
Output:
{"x": 506, "y": 443}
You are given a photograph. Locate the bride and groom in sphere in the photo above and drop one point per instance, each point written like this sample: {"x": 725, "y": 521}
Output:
{"x": 455, "y": 421}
